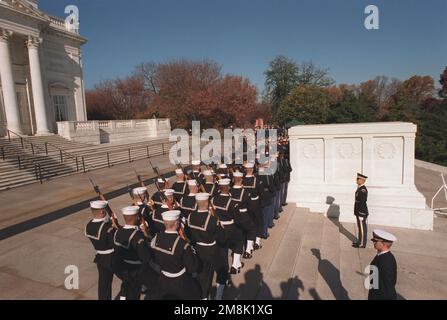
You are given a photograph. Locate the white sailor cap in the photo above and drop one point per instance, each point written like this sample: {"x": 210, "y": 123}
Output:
{"x": 207, "y": 173}
{"x": 223, "y": 166}
{"x": 130, "y": 211}
{"x": 383, "y": 236}
{"x": 224, "y": 182}
{"x": 140, "y": 190}
{"x": 238, "y": 174}
{"x": 171, "y": 215}
{"x": 249, "y": 165}
{"x": 160, "y": 180}
{"x": 98, "y": 204}
{"x": 202, "y": 196}
{"x": 192, "y": 182}
{"x": 178, "y": 171}
{"x": 195, "y": 162}
{"x": 169, "y": 192}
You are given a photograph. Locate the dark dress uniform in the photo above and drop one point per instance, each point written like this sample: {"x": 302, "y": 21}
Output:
{"x": 180, "y": 190}
{"x": 285, "y": 163}
{"x": 188, "y": 204}
{"x": 242, "y": 216}
{"x": 197, "y": 175}
{"x": 361, "y": 214}
{"x": 177, "y": 262}
{"x": 158, "y": 197}
{"x": 211, "y": 188}
{"x": 267, "y": 205}
{"x": 100, "y": 232}
{"x": 156, "y": 224}
{"x": 135, "y": 261}
{"x": 252, "y": 187}
{"x": 226, "y": 210}
{"x": 277, "y": 192}
{"x": 208, "y": 237}
{"x": 387, "y": 266}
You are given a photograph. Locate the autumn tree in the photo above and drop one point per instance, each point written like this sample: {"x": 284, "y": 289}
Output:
{"x": 443, "y": 82}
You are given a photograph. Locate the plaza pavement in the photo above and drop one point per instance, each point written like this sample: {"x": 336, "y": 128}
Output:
{"x": 308, "y": 256}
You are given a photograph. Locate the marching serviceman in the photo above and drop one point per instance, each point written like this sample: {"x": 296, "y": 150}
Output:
{"x": 156, "y": 223}
{"x": 210, "y": 184}
{"x": 252, "y": 186}
{"x": 208, "y": 237}
{"x": 243, "y": 218}
{"x": 188, "y": 202}
{"x": 197, "y": 171}
{"x": 100, "y": 232}
{"x": 266, "y": 196}
{"x": 386, "y": 265}
{"x": 361, "y": 211}
{"x": 275, "y": 175}
{"x": 285, "y": 163}
{"x": 141, "y": 199}
{"x": 180, "y": 187}
{"x": 157, "y": 197}
{"x": 177, "y": 261}
{"x": 135, "y": 256}
{"x": 226, "y": 209}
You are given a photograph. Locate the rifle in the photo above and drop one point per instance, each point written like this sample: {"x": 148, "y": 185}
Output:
{"x": 157, "y": 172}
{"x": 143, "y": 221}
{"x": 109, "y": 210}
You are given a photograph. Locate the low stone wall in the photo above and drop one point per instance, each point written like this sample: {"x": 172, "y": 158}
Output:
{"x": 326, "y": 159}
{"x": 116, "y": 131}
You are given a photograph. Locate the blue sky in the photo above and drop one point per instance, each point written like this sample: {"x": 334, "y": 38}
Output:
{"x": 244, "y": 35}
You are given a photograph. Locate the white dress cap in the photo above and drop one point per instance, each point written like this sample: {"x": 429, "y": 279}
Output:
{"x": 160, "y": 180}
{"x": 192, "y": 182}
{"x": 249, "y": 165}
{"x": 224, "y": 182}
{"x": 130, "y": 211}
{"x": 178, "y": 171}
{"x": 169, "y": 192}
{"x": 195, "y": 162}
{"x": 383, "y": 235}
{"x": 171, "y": 215}
{"x": 207, "y": 173}
{"x": 202, "y": 196}
{"x": 223, "y": 166}
{"x": 98, "y": 204}
{"x": 238, "y": 174}
{"x": 140, "y": 190}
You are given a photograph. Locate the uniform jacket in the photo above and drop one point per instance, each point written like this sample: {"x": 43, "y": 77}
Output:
{"x": 387, "y": 266}
{"x": 360, "y": 206}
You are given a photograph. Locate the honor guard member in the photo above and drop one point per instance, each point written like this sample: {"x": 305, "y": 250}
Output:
{"x": 157, "y": 197}
{"x": 208, "y": 237}
{"x": 226, "y": 209}
{"x": 177, "y": 261}
{"x": 196, "y": 171}
{"x": 188, "y": 203}
{"x": 210, "y": 184}
{"x": 252, "y": 186}
{"x": 180, "y": 187}
{"x": 266, "y": 195}
{"x": 361, "y": 211}
{"x": 100, "y": 232}
{"x": 384, "y": 261}
{"x": 274, "y": 171}
{"x": 135, "y": 256}
{"x": 222, "y": 171}
{"x": 242, "y": 218}
{"x": 140, "y": 198}
{"x": 157, "y": 224}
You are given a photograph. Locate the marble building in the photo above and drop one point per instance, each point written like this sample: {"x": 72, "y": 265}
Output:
{"x": 40, "y": 70}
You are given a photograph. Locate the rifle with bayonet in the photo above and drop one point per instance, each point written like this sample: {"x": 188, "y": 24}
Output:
{"x": 109, "y": 210}
{"x": 144, "y": 227}
{"x": 158, "y": 174}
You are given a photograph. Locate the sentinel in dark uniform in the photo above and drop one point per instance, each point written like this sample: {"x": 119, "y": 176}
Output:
{"x": 226, "y": 209}
{"x": 177, "y": 262}
{"x": 100, "y": 232}
{"x": 287, "y": 169}
{"x": 361, "y": 211}
{"x": 208, "y": 237}
{"x": 135, "y": 256}
{"x": 252, "y": 187}
{"x": 384, "y": 261}
{"x": 242, "y": 217}
{"x": 188, "y": 202}
{"x": 266, "y": 195}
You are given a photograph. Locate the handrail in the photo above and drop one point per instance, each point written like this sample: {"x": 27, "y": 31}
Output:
{"x": 23, "y": 139}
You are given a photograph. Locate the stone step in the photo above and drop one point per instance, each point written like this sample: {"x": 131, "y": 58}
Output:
{"x": 305, "y": 274}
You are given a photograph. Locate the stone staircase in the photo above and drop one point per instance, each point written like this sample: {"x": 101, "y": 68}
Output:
{"x": 37, "y": 159}
{"x": 307, "y": 257}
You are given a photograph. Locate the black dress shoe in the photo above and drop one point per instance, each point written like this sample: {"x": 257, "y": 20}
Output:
{"x": 247, "y": 255}
{"x": 273, "y": 224}
{"x": 233, "y": 270}
{"x": 284, "y": 204}
{"x": 276, "y": 217}
{"x": 257, "y": 246}
{"x": 355, "y": 245}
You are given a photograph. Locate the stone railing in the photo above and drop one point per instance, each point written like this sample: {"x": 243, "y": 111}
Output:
{"x": 58, "y": 23}
{"x": 114, "y": 131}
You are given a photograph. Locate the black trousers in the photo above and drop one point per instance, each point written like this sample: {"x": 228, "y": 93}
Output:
{"x": 362, "y": 225}
{"x": 104, "y": 282}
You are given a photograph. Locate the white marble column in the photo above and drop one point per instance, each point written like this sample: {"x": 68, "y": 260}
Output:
{"x": 33, "y": 44}
{"x": 8, "y": 85}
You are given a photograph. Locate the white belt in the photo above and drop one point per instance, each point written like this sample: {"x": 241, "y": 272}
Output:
{"x": 226, "y": 223}
{"x": 105, "y": 251}
{"x": 243, "y": 210}
{"x": 255, "y": 198}
{"x": 173, "y": 275}
{"x": 206, "y": 244}
{"x": 133, "y": 261}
